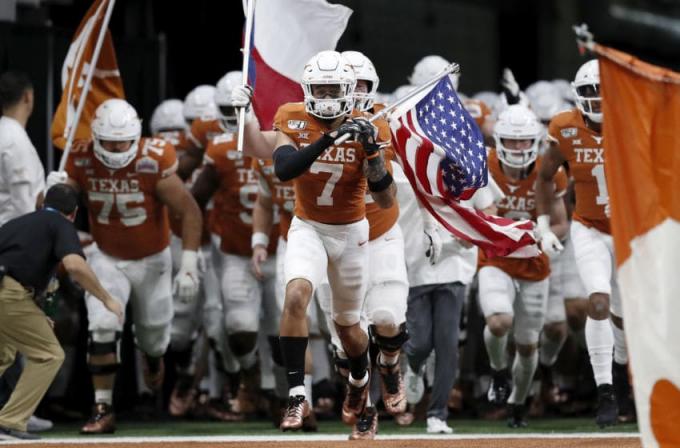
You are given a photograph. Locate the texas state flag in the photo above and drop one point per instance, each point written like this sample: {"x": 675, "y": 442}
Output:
{"x": 286, "y": 34}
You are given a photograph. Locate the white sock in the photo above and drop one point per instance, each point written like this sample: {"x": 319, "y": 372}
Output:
{"x": 495, "y": 348}
{"x": 550, "y": 349}
{"x": 297, "y": 390}
{"x": 103, "y": 396}
{"x": 387, "y": 359}
{"x": 523, "y": 369}
{"x": 600, "y": 341}
{"x": 620, "y": 347}
{"x": 360, "y": 382}
{"x": 308, "y": 387}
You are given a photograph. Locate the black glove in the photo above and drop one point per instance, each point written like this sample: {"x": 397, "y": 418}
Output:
{"x": 348, "y": 127}
{"x": 368, "y": 135}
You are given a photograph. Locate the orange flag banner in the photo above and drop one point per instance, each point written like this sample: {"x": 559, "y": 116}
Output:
{"x": 641, "y": 110}
{"x": 106, "y": 82}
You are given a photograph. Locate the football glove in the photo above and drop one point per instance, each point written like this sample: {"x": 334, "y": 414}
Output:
{"x": 54, "y": 178}
{"x": 186, "y": 282}
{"x": 550, "y": 244}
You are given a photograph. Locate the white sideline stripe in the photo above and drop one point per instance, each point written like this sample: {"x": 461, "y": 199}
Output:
{"x": 326, "y": 438}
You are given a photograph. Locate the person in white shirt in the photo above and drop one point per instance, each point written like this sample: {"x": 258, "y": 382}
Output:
{"x": 22, "y": 182}
{"x": 22, "y": 177}
{"x": 440, "y": 267}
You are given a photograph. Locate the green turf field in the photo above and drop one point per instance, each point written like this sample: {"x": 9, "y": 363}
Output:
{"x": 172, "y": 428}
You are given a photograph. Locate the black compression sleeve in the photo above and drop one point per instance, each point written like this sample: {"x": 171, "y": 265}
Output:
{"x": 289, "y": 162}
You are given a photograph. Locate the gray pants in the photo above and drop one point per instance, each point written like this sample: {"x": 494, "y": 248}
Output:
{"x": 432, "y": 320}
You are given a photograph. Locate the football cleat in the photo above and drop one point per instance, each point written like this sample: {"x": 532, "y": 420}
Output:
{"x": 103, "y": 420}
{"x": 355, "y": 402}
{"x": 517, "y": 416}
{"x": 499, "y": 389}
{"x": 607, "y": 408}
{"x": 366, "y": 426}
{"x": 392, "y": 388}
{"x": 295, "y": 413}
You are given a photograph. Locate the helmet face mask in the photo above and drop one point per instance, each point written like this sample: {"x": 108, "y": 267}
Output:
{"x": 116, "y": 121}
{"x": 226, "y": 112}
{"x": 518, "y": 135}
{"x": 328, "y": 82}
{"x": 586, "y": 88}
{"x": 367, "y": 80}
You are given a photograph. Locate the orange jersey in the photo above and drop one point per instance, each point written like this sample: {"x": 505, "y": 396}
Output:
{"x": 237, "y": 192}
{"x": 202, "y": 131}
{"x": 582, "y": 148}
{"x": 332, "y": 190}
{"x": 179, "y": 140}
{"x": 477, "y": 110}
{"x": 282, "y": 194}
{"x": 520, "y": 203}
{"x": 380, "y": 220}
{"x": 127, "y": 220}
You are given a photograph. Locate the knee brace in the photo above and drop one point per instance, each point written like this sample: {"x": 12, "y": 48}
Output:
{"x": 340, "y": 361}
{"x": 389, "y": 344}
{"x": 103, "y": 343}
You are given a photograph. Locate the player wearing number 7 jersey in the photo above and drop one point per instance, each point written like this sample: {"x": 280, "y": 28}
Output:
{"x": 329, "y": 233}
{"x": 127, "y": 182}
{"x": 576, "y": 138}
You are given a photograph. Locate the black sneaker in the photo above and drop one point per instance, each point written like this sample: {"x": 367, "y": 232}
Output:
{"x": 517, "y": 416}
{"x": 607, "y": 409}
{"x": 499, "y": 389}
{"x": 14, "y": 434}
{"x": 623, "y": 393}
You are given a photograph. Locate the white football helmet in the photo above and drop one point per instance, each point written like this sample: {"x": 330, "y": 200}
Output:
{"x": 401, "y": 91}
{"x": 329, "y": 68}
{"x": 365, "y": 71}
{"x": 225, "y": 110}
{"x": 200, "y": 102}
{"x": 168, "y": 116}
{"x": 586, "y": 87}
{"x": 564, "y": 87}
{"x": 428, "y": 67}
{"x": 116, "y": 120}
{"x": 546, "y": 100}
{"x": 517, "y": 122}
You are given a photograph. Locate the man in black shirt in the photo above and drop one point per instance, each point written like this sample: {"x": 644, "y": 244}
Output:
{"x": 31, "y": 248}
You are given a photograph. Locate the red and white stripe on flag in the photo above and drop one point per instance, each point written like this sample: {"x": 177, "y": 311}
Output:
{"x": 286, "y": 34}
{"x": 496, "y": 236}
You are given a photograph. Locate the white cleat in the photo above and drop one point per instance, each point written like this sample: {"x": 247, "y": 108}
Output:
{"x": 438, "y": 426}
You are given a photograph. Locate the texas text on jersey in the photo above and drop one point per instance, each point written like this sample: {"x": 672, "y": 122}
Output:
{"x": 582, "y": 148}
{"x": 520, "y": 203}
{"x": 334, "y": 186}
{"x": 282, "y": 194}
{"x": 127, "y": 220}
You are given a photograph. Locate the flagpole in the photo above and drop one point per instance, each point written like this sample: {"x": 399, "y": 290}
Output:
{"x": 246, "y": 62}
{"x": 86, "y": 87}
{"x": 449, "y": 69}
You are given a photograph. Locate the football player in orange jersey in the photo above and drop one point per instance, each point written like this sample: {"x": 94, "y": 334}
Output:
{"x": 203, "y": 117}
{"x": 129, "y": 183}
{"x": 576, "y": 138}
{"x": 513, "y": 292}
{"x": 329, "y": 232}
{"x": 385, "y": 305}
{"x": 229, "y": 174}
{"x": 168, "y": 123}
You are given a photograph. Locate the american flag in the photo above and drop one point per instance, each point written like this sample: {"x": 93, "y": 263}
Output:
{"x": 442, "y": 152}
